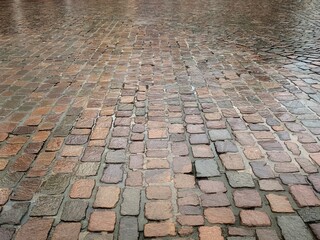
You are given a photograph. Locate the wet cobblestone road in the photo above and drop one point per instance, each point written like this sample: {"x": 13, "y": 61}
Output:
{"x": 159, "y": 119}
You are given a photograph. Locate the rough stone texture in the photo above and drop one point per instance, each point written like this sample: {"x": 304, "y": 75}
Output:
{"x": 292, "y": 227}
{"x": 102, "y": 221}
{"x": 254, "y": 218}
{"x": 107, "y": 197}
{"x": 46, "y": 206}
{"x": 247, "y": 198}
{"x": 158, "y": 192}
{"x": 210, "y": 233}
{"x": 113, "y": 174}
{"x": 190, "y": 220}
{"x": 310, "y": 214}
{"x": 206, "y": 168}
{"x": 35, "y": 228}
{"x": 67, "y": 231}
{"x": 159, "y": 229}
{"x": 279, "y": 203}
{"x": 304, "y": 196}
{"x": 146, "y": 95}
{"x": 128, "y": 228}
{"x": 209, "y": 186}
{"x": 239, "y": 180}
{"x": 14, "y": 213}
{"x": 315, "y": 229}
{"x": 158, "y": 210}
{"x": 56, "y": 184}
{"x": 214, "y": 200}
{"x": 6, "y": 233}
{"x": 267, "y": 234}
{"x": 131, "y": 202}
{"x": 232, "y": 161}
{"x": 220, "y": 215}
{"x": 74, "y": 210}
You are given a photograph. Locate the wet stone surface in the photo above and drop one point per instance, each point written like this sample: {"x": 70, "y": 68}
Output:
{"x": 159, "y": 119}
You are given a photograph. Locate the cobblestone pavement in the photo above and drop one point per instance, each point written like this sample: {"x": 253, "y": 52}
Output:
{"x": 169, "y": 119}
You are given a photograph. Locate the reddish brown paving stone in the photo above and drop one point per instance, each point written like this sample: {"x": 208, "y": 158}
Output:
{"x": 102, "y": 221}
{"x": 160, "y": 229}
{"x": 279, "y": 203}
{"x": 254, "y": 218}
{"x": 304, "y": 196}
{"x": 315, "y": 227}
{"x": 157, "y": 176}
{"x": 10, "y": 150}
{"x": 134, "y": 179}
{"x": 67, "y": 231}
{"x": 190, "y": 220}
{"x": 184, "y": 181}
{"x": 54, "y": 144}
{"x": 158, "y": 192}
{"x": 82, "y": 188}
{"x": 35, "y": 228}
{"x": 185, "y": 231}
{"x": 158, "y": 210}
{"x": 202, "y": 151}
{"x": 3, "y": 164}
{"x": 316, "y": 158}
{"x": 107, "y": 197}
{"x": 293, "y": 147}
{"x": 4, "y": 195}
{"x": 210, "y": 233}
{"x": 232, "y": 161}
{"x": 159, "y": 133}
{"x": 209, "y": 186}
{"x": 3, "y": 136}
{"x": 221, "y": 215}
{"x": 247, "y": 198}
{"x": 26, "y": 189}
{"x": 253, "y": 153}
{"x": 71, "y": 151}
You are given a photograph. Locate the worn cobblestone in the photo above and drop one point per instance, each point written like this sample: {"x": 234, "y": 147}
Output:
{"x": 159, "y": 119}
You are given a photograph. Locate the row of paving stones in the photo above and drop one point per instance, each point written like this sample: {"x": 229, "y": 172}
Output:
{"x": 191, "y": 145}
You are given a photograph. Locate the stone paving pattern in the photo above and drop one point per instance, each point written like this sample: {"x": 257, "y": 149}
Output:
{"x": 159, "y": 119}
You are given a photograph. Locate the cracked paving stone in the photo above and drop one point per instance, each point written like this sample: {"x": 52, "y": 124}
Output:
{"x": 74, "y": 211}
{"x": 206, "y": 168}
{"x": 293, "y": 228}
